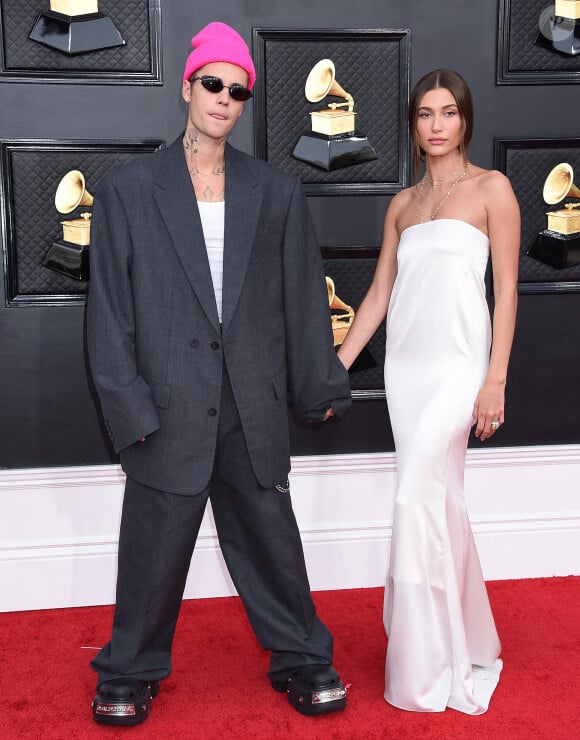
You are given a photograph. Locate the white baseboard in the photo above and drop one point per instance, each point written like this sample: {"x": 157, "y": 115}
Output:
{"x": 58, "y": 529}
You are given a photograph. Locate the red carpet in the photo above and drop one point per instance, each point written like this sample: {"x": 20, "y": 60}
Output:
{"x": 218, "y": 688}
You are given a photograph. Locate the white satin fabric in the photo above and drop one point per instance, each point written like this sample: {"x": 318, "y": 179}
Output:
{"x": 437, "y": 613}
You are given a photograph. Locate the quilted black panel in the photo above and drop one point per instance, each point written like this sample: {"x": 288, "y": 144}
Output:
{"x": 31, "y": 174}
{"x": 519, "y": 20}
{"x": 352, "y": 277}
{"x": 373, "y": 70}
{"x": 132, "y": 18}
{"x": 527, "y": 169}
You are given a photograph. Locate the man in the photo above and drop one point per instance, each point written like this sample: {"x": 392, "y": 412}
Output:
{"x": 207, "y": 296}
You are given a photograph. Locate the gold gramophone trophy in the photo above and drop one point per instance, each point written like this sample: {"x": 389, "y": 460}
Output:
{"x": 332, "y": 142}
{"x": 560, "y": 27}
{"x": 75, "y": 27}
{"x": 559, "y": 244}
{"x": 341, "y": 315}
{"x": 70, "y": 255}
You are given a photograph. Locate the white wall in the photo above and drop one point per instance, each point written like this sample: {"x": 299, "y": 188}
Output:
{"x": 58, "y": 526}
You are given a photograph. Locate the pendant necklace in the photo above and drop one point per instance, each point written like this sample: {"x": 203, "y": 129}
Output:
{"x": 428, "y": 182}
{"x": 208, "y": 193}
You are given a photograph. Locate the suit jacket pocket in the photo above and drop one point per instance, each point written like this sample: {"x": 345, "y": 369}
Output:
{"x": 161, "y": 393}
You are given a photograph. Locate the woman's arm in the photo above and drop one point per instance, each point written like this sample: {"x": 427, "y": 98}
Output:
{"x": 373, "y": 308}
{"x": 503, "y": 222}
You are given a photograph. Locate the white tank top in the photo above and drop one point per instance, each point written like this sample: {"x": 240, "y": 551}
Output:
{"x": 212, "y": 222}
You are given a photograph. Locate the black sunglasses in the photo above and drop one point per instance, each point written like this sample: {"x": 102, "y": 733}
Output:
{"x": 215, "y": 85}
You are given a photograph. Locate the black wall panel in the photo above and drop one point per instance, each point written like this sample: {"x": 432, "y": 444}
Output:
{"x": 48, "y": 411}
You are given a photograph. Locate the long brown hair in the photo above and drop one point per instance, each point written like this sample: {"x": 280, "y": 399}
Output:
{"x": 454, "y": 82}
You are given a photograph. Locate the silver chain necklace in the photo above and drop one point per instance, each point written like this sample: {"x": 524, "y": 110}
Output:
{"x": 427, "y": 182}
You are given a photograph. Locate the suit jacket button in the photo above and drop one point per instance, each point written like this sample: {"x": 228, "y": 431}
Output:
{"x": 211, "y": 412}
{"x": 215, "y": 345}
{"x": 194, "y": 342}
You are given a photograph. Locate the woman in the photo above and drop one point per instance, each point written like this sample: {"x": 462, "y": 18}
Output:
{"x": 440, "y": 379}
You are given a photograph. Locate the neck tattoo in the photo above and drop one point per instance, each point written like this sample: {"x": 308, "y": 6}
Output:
{"x": 214, "y": 181}
{"x": 436, "y": 184}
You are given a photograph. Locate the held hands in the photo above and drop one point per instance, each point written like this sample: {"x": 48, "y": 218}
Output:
{"x": 318, "y": 416}
{"x": 488, "y": 410}
{"x": 328, "y": 414}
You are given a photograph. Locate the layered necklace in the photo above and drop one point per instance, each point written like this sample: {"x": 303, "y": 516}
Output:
{"x": 428, "y": 183}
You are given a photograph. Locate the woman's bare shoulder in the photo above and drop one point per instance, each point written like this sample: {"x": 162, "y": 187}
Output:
{"x": 492, "y": 186}
{"x": 400, "y": 202}
{"x": 398, "y": 211}
{"x": 491, "y": 179}
{"x": 404, "y": 197}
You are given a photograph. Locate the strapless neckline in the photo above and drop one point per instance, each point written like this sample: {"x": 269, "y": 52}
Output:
{"x": 450, "y": 220}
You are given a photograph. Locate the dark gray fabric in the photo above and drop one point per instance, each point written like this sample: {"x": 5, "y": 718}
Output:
{"x": 210, "y": 400}
{"x": 261, "y": 545}
{"x": 155, "y": 345}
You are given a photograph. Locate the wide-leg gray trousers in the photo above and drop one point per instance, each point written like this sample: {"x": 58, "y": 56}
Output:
{"x": 261, "y": 544}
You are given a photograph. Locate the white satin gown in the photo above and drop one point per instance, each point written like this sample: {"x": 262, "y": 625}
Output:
{"x": 443, "y": 646}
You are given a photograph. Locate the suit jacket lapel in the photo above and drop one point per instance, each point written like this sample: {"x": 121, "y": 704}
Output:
{"x": 176, "y": 200}
{"x": 243, "y": 201}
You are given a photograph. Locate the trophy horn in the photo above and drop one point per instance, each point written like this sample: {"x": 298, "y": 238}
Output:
{"x": 560, "y": 184}
{"x": 340, "y": 322}
{"x": 71, "y": 192}
{"x": 321, "y": 82}
{"x": 330, "y": 289}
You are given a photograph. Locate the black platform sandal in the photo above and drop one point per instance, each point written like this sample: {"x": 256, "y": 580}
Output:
{"x": 314, "y": 690}
{"x": 124, "y": 701}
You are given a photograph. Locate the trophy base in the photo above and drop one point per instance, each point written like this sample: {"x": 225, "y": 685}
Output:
{"x": 556, "y": 250}
{"x": 69, "y": 259}
{"x": 333, "y": 152}
{"x": 561, "y": 35}
{"x": 76, "y": 34}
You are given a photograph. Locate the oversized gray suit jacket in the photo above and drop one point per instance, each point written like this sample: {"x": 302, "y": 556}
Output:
{"x": 155, "y": 344}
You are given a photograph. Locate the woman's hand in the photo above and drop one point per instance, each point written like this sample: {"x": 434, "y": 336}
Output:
{"x": 488, "y": 410}
{"x": 329, "y": 413}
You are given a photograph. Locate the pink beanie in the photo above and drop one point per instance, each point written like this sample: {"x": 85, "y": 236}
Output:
{"x": 218, "y": 42}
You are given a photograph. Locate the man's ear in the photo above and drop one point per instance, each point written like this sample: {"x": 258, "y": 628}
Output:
{"x": 186, "y": 90}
